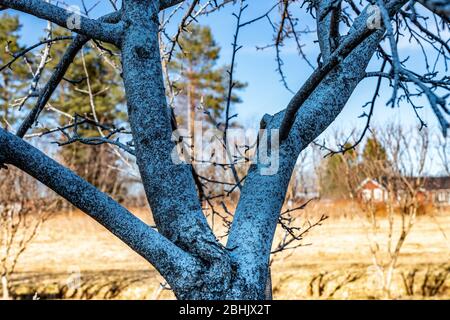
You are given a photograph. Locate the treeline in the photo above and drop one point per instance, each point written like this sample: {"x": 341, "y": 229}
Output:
{"x": 335, "y": 170}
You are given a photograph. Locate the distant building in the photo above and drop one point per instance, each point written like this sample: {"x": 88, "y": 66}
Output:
{"x": 433, "y": 190}
{"x": 438, "y": 190}
{"x": 372, "y": 190}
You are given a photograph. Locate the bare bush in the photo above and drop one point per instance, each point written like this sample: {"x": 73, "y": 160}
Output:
{"x": 326, "y": 284}
{"x": 100, "y": 167}
{"x": 391, "y": 205}
{"x": 23, "y": 209}
{"x": 431, "y": 284}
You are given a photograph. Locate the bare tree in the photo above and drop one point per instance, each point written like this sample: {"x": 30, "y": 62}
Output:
{"x": 184, "y": 249}
{"x": 443, "y": 151}
{"x": 22, "y": 212}
{"x": 390, "y": 217}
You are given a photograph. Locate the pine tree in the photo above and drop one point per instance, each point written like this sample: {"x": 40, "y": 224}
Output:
{"x": 375, "y": 162}
{"x": 11, "y": 79}
{"x": 334, "y": 181}
{"x": 202, "y": 81}
{"x": 374, "y": 150}
{"x": 72, "y": 97}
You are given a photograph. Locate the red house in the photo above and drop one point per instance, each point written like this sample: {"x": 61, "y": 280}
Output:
{"x": 372, "y": 190}
{"x": 433, "y": 190}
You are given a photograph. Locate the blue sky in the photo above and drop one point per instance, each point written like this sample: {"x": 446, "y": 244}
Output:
{"x": 265, "y": 93}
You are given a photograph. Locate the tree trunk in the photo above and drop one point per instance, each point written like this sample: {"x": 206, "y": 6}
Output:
{"x": 5, "y": 288}
{"x": 239, "y": 289}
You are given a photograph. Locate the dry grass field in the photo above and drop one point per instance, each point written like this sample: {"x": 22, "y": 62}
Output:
{"x": 74, "y": 257}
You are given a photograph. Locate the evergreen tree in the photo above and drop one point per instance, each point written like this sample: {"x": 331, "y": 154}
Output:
{"x": 375, "y": 163}
{"x": 342, "y": 172}
{"x": 72, "y": 97}
{"x": 334, "y": 180}
{"x": 374, "y": 150}
{"x": 201, "y": 79}
{"x": 11, "y": 79}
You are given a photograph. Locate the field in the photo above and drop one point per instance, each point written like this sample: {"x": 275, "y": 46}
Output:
{"x": 74, "y": 257}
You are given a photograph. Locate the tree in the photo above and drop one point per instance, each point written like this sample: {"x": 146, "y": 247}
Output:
{"x": 201, "y": 92}
{"x": 91, "y": 88}
{"x": 201, "y": 80}
{"x": 184, "y": 249}
{"x": 375, "y": 162}
{"x": 335, "y": 167}
{"x": 23, "y": 210}
{"x": 373, "y": 150}
{"x": 11, "y": 79}
{"x": 89, "y": 76}
{"x": 403, "y": 183}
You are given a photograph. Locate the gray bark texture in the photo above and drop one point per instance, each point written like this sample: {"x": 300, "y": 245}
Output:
{"x": 184, "y": 249}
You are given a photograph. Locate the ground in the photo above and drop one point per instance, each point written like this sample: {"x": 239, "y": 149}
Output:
{"x": 74, "y": 257}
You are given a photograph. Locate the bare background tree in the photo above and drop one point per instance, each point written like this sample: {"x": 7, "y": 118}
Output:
{"x": 23, "y": 210}
{"x": 398, "y": 167}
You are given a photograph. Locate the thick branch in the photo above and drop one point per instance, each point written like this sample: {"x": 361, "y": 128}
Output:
{"x": 263, "y": 195}
{"x": 58, "y": 75}
{"x": 165, "y": 4}
{"x": 169, "y": 185}
{"x": 174, "y": 264}
{"x": 66, "y": 19}
{"x": 328, "y": 12}
{"x": 360, "y": 31}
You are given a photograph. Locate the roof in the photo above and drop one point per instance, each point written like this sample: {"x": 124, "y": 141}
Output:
{"x": 427, "y": 183}
{"x": 435, "y": 183}
{"x": 367, "y": 180}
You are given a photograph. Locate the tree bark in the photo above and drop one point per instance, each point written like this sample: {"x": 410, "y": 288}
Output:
{"x": 263, "y": 195}
{"x": 169, "y": 186}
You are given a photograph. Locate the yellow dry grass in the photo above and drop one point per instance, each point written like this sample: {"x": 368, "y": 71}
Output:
{"x": 74, "y": 257}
